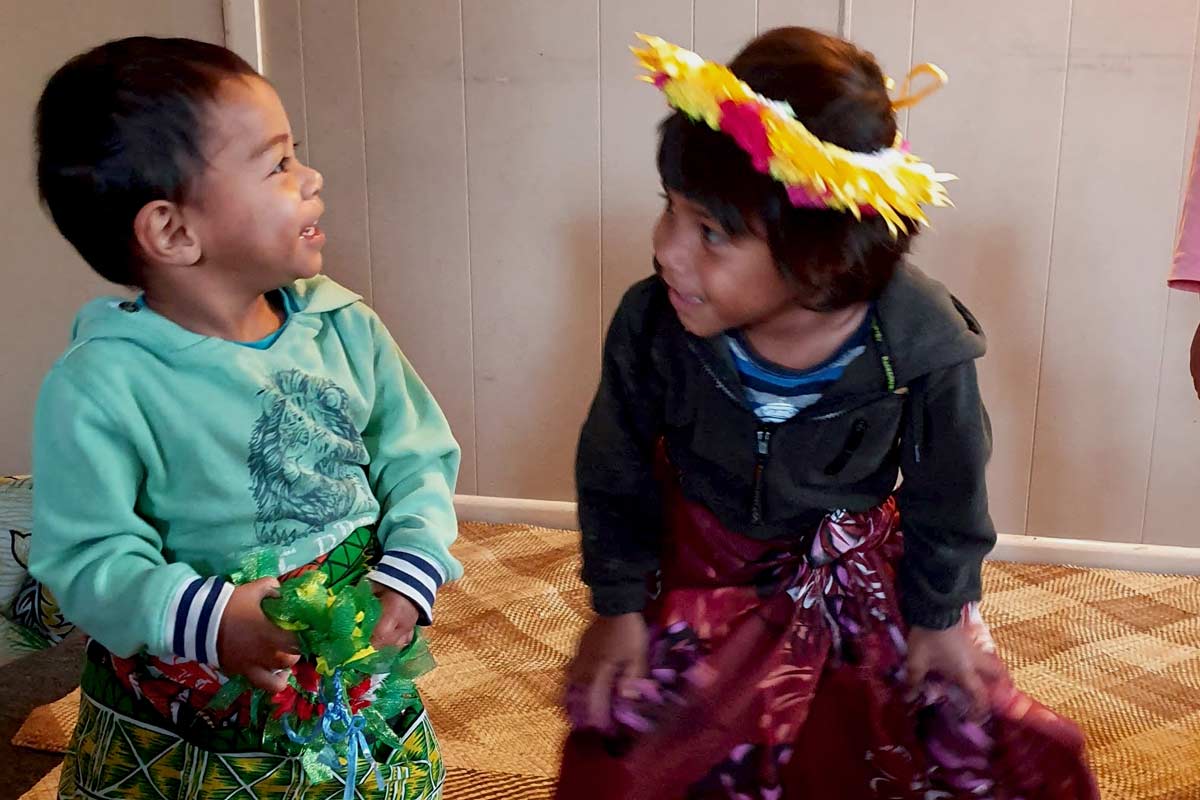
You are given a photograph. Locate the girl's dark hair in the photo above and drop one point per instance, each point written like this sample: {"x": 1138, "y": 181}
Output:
{"x": 838, "y": 92}
{"x": 121, "y": 126}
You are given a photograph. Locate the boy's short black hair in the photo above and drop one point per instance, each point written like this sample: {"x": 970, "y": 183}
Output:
{"x": 121, "y": 126}
{"x": 839, "y": 93}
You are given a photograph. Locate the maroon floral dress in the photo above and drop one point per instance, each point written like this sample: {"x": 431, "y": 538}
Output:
{"x": 779, "y": 673}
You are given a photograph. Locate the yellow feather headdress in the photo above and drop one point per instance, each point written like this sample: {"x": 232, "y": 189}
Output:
{"x": 892, "y": 183}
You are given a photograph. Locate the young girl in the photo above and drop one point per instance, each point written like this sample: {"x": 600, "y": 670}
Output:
{"x": 241, "y": 405}
{"x": 776, "y": 618}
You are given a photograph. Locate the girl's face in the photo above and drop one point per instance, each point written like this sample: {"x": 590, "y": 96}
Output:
{"x": 716, "y": 283}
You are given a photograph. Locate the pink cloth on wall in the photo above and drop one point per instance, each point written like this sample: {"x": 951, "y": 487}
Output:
{"x": 1185, "y": 267}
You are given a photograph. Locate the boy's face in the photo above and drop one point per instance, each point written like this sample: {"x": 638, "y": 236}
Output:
{"x": 255, "y": 206}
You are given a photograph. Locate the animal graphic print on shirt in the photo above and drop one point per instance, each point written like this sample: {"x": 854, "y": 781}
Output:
{"x": 307, "y": 459}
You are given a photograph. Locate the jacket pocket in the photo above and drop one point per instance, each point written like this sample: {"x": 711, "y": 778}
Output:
{"x": 842, "y": 449}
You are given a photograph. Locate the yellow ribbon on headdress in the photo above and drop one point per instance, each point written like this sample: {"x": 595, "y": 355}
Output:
{"x": 909, "y": 98}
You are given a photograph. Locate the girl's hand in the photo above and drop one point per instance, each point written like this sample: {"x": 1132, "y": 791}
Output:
{"x": 398, "y": 620}
{"x": 612, "y": 649}
{"x": 953, "y": 654}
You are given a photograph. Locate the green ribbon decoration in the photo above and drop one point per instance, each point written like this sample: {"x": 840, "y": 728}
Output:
{"x": 334, "y": 630}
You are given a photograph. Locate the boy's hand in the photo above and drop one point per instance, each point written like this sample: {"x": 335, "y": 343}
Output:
{"x": 953, "y": 654}
{"x": 398, "y": 620}
{"x": 611, "y": 651}
{"x": 249, "y": 644}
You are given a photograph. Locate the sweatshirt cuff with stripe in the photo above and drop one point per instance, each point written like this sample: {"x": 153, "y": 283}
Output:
{"x": 412, "y": 574}
{"x": 194, "y": 619}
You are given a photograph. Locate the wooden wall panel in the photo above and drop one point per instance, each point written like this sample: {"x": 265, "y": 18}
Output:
{"x": 45, "y": 281}
{"x": 1175, "y": 464}
{"x": 1007, "y": 66}
{"x": 415, "y": 119}
{"x": 630, "y": 113}
{"x": 723, "y": 27}
{"x": 824, "y": 15}
{"x": 1123, "y": 145}
{"x": 885, "y": 28}
{"x": 490, "y": 175}
{"x": 533, "y": 132}
{"x": 336, "y": 139}
{"x": 283, "y": 62}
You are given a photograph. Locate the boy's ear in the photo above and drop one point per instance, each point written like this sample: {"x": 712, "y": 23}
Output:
{"x": 164, "y": 236}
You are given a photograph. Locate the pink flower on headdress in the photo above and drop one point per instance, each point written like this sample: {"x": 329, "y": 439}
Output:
{"x": 803, "y": 197}
{"x": 743, "y": 122}
{"x": 660, "y": 80}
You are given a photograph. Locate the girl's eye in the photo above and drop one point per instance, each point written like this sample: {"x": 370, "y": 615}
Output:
{"x": 667, "y": 200}
{"x": 712, "y": 236}
{"x": 280, "y": 167}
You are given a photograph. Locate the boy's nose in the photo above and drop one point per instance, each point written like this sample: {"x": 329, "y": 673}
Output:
{"x": 314, "y": 184}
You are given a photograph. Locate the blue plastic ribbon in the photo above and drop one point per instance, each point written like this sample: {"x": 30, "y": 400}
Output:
{"x": 337, "y": 713}
{"x": 295, "y": 737}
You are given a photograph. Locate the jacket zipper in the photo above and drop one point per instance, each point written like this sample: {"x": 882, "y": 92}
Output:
{"x": 762, "y": 453}
{"x": 763, "y": 433}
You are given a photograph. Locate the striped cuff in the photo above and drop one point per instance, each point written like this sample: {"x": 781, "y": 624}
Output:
{"x": 413, "y": 575}
{"x": 195, "y": 617}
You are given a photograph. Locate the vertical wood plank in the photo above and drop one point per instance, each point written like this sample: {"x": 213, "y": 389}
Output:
{"x": 1123, "y": 146}
{"x": 630, "y": 113}
{"x": 1175, "y": 460}
{"x": 45, "y": 281}
{"x": 413, "y": 109}
{"x": 333, "y": 85}
{"x": 283, "y": 62}
{"x": 723, "y": 27}
{"x": 1171, "y": 497}
{"x": 243, "y": 30}
{"x": 997, "y": 126}
{"x": 193, "y": 20}
{"x": 823, "y": 15}
{"x": 885, "y": 29}
{"x": 533, "y": 176}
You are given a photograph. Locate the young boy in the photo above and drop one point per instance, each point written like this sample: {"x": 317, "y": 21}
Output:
{"x": 242, "y": 402}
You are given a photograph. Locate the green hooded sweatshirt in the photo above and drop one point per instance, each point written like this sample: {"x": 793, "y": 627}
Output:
{"x": 163, "y": 458}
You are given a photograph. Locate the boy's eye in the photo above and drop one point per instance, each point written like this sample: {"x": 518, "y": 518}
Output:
{"x": 667, "y": 201}
{"x": 280, "y": 167}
